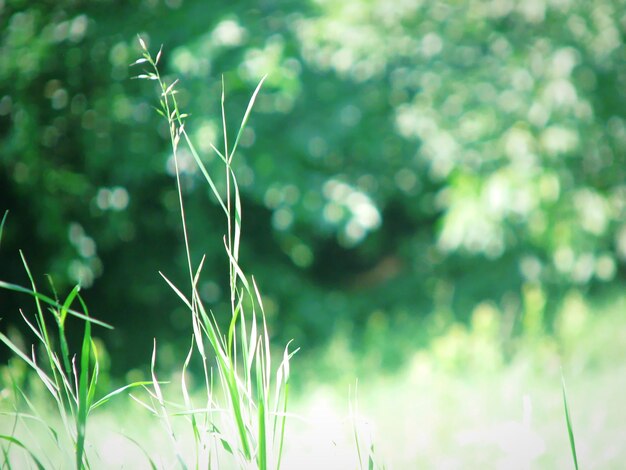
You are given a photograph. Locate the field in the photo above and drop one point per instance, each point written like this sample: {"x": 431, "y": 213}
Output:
{"x": 458, "y": 403}
{"x": 429, "y": 276}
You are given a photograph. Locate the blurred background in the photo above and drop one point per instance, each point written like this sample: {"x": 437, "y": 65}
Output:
{"x": 409, "y": 166}
{"x": 430, "y": 189}
{"x": 427, "y": 185}
{"x": 405, "y": 162}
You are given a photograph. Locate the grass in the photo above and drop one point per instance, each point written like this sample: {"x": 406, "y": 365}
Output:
{"x": 457, "y": 404}
{"x": 252, "y": 428}
{"x": 462, "y": 412}
{"x": 432, "y": 413}
{"x": 241, "y": 421}
{"x": 69, "y": 380}
{"x": 568, "y": 422}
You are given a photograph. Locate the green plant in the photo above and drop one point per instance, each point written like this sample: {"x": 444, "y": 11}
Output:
{"x": 246, "y": 418}
{"x": 250, "y": 426}
{"x": 70, "y": 381}
{"x": 363, "y": 441}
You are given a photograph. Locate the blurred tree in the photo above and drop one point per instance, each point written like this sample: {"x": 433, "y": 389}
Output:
{"x": 404, "y": 157}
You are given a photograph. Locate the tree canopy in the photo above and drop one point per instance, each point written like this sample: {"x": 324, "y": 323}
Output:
{"x": 403, "y": 159}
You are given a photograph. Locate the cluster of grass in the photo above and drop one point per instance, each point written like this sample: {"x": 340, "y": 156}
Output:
{"x": 455, "y": 404}
{"x": 241, "y": 420}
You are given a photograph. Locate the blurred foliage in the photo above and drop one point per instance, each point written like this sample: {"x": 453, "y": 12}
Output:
{"x": 404, "y": 158}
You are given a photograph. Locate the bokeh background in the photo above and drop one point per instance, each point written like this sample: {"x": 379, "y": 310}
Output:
{"x": 412, "y": 169}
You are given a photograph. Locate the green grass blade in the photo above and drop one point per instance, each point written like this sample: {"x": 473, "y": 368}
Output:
{"x": 282, "y": 382}
{"x": 283, "y": 422}
{"x": 158, "y": 394}
{"x": 5, "y": 456}
{"x": 223, "y": 99}
{"x": 4, "y": 219}
{"x": 187, "y": 398}
{"x": 142, "y": 403}
{"x": 17, "y": 391}
{"x": 65, "y": 355}
{"x": 233, "y": 324}
{"x": 83, "y": 394}
{"x": 219, "y": 154}
{"x": 32, "y": 417}
{"x": 370, "y": 458}
{"x": 244, "y": 121}
{"x": 18, "y": 443}
{"x": 195, "y": 315}
{"x": 7, "y": 449}
{"x": 213, "y": 334}
{"x": 177, "y": 291}
{"x": 94, "y": 377}
{"x": 262, "y": 456}
{"x": 32, "y": 327}
{"x": 47, "y": 381}
{"x": 568, "y": 421}
{"x": 235, "y": 265}
{"x": 110, "y": 395}
{"x": 67, "y": 304}
{"x": 236, "y": 403}
{"x": 237, "y": 234}
{"x": 153, "y": 465}
{"x": 261, "y": 399}
{"x": 44, "y": 298}
{"x": 47, "y": 343}
{"x": 353, "y": 411}
{"x": 196, "y": 277}
{"x": 59, "y": 382}
{"x": 204, "y": 171}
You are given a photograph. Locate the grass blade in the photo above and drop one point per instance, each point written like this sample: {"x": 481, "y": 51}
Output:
{"x": 244, "y": 121}
{"x": 47, "y": 381}
{"x": 204, "y": 171}
{"x": 110, "y": 395}
{"x": 177, "y": 291}
{"x": 61, "y": 316}
{"x": 568, "y": 421}
{"x": 83, "y": 394}
{"x": 4, "y": 219}
{"x": 18, "y": 443}
{"x": 44, "y": 298}
{"x": 153, "y": 465}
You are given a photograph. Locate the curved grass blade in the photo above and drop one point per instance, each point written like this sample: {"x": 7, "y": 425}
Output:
{"x": 18, "y": 443}
{"x": 110, "y": 395}
{"x": 83, "y": 394}
{"x": 244, "y": 121}
{"x": 4, "y": 219}
{"x": 47, "y": 381}
{"x": 52, "y": 302}
{"x": 60, "y": 317}
{"x": 568, "y": 421}
{"x": 153, "y": 465}
{"x": 204, "y": 171}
